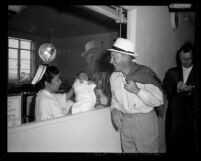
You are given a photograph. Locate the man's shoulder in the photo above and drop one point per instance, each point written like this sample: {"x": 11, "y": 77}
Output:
{"x": 143, "y": 67}
{"x": 174, "y": 69}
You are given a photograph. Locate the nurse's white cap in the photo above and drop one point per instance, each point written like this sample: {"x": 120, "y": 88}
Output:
{"x": 39, "y": 74}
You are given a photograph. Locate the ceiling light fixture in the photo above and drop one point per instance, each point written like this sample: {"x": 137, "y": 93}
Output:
{"x": 47, "y": 52}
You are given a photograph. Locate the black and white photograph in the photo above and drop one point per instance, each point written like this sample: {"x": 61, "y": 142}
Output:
{"x": 103, "y": 79}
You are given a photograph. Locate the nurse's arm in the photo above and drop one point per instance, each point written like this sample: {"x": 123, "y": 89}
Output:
{"x": 69, "y": 94}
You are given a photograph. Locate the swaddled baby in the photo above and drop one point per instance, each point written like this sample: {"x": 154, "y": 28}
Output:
{"x": 84, "y": 94}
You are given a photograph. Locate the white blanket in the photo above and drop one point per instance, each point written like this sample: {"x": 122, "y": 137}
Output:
{"x": 85, "y": 97}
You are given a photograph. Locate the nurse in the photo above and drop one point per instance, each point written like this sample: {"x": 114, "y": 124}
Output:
{"x": 50, "y": 104}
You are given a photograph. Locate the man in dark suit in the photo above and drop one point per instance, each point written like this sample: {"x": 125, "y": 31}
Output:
{"x": 179, "y": 84}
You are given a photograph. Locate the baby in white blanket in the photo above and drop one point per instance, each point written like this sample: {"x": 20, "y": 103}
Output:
{"x": 84, "y": 94}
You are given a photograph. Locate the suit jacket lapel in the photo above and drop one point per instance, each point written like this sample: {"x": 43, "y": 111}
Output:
{"x": 180, "y": 74}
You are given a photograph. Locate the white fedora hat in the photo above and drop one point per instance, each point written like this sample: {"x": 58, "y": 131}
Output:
{"x": 91, "y": 46}
{"x": 124, "y": 46}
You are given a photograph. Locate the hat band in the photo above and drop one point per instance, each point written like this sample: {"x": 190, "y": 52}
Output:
{"x": 116, "y": 48}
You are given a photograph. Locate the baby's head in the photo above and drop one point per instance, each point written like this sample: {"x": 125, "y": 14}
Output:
{"x": 82, "y": 76}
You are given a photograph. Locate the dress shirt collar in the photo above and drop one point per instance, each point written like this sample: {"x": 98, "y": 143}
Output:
{"x": 187, "y": 69}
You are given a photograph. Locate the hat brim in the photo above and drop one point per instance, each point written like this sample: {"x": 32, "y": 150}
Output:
{"x": 89, "y": 51}
{"x": 134, "y": 55}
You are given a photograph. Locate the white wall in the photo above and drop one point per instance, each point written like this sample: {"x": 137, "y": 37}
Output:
{"x": 85, "y": 132}
{"x": 156, "y": 41}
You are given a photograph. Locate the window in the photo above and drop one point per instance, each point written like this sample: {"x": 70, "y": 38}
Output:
{"x": 20, "y": 59}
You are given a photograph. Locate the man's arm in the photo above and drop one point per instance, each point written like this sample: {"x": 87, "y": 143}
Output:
{"x": 150, "y": 94}
{"x": 115, "y": 106}
{"x": 169, "y": 85}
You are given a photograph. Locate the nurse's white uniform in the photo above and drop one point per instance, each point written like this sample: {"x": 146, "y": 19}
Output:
{"x": 49, "y": 106}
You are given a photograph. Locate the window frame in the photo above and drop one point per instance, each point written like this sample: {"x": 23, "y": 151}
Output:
{"x": 19, "y": 49}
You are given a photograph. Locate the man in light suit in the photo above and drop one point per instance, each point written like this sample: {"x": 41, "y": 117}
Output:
{"x": 136, "y": 92}
{"x": 179, "y": 84}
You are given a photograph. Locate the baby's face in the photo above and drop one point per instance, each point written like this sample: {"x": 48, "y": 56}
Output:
{"x": 83, "y": 76}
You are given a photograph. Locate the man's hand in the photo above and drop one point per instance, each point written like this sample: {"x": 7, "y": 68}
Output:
{"x": 181, "y": 86}
{"x": 116, "y": 116}
{"x": 132, "y": 87}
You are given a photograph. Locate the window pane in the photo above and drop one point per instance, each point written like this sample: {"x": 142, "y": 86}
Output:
{"x": 19, "y": 48}
{"x": 12, "y": 74}
{"x": 13, "y": 43}
{"x": 24, "y": 74}
{"x": 25, "y": 64}
{"x": 12, "y": 64}
{"x": 12, "y": 53}
{"x": 25, "y": 44}
{"x": 25, "y": 54}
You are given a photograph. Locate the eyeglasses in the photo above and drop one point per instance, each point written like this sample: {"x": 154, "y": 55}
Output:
{"x": 186, "y": 59}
